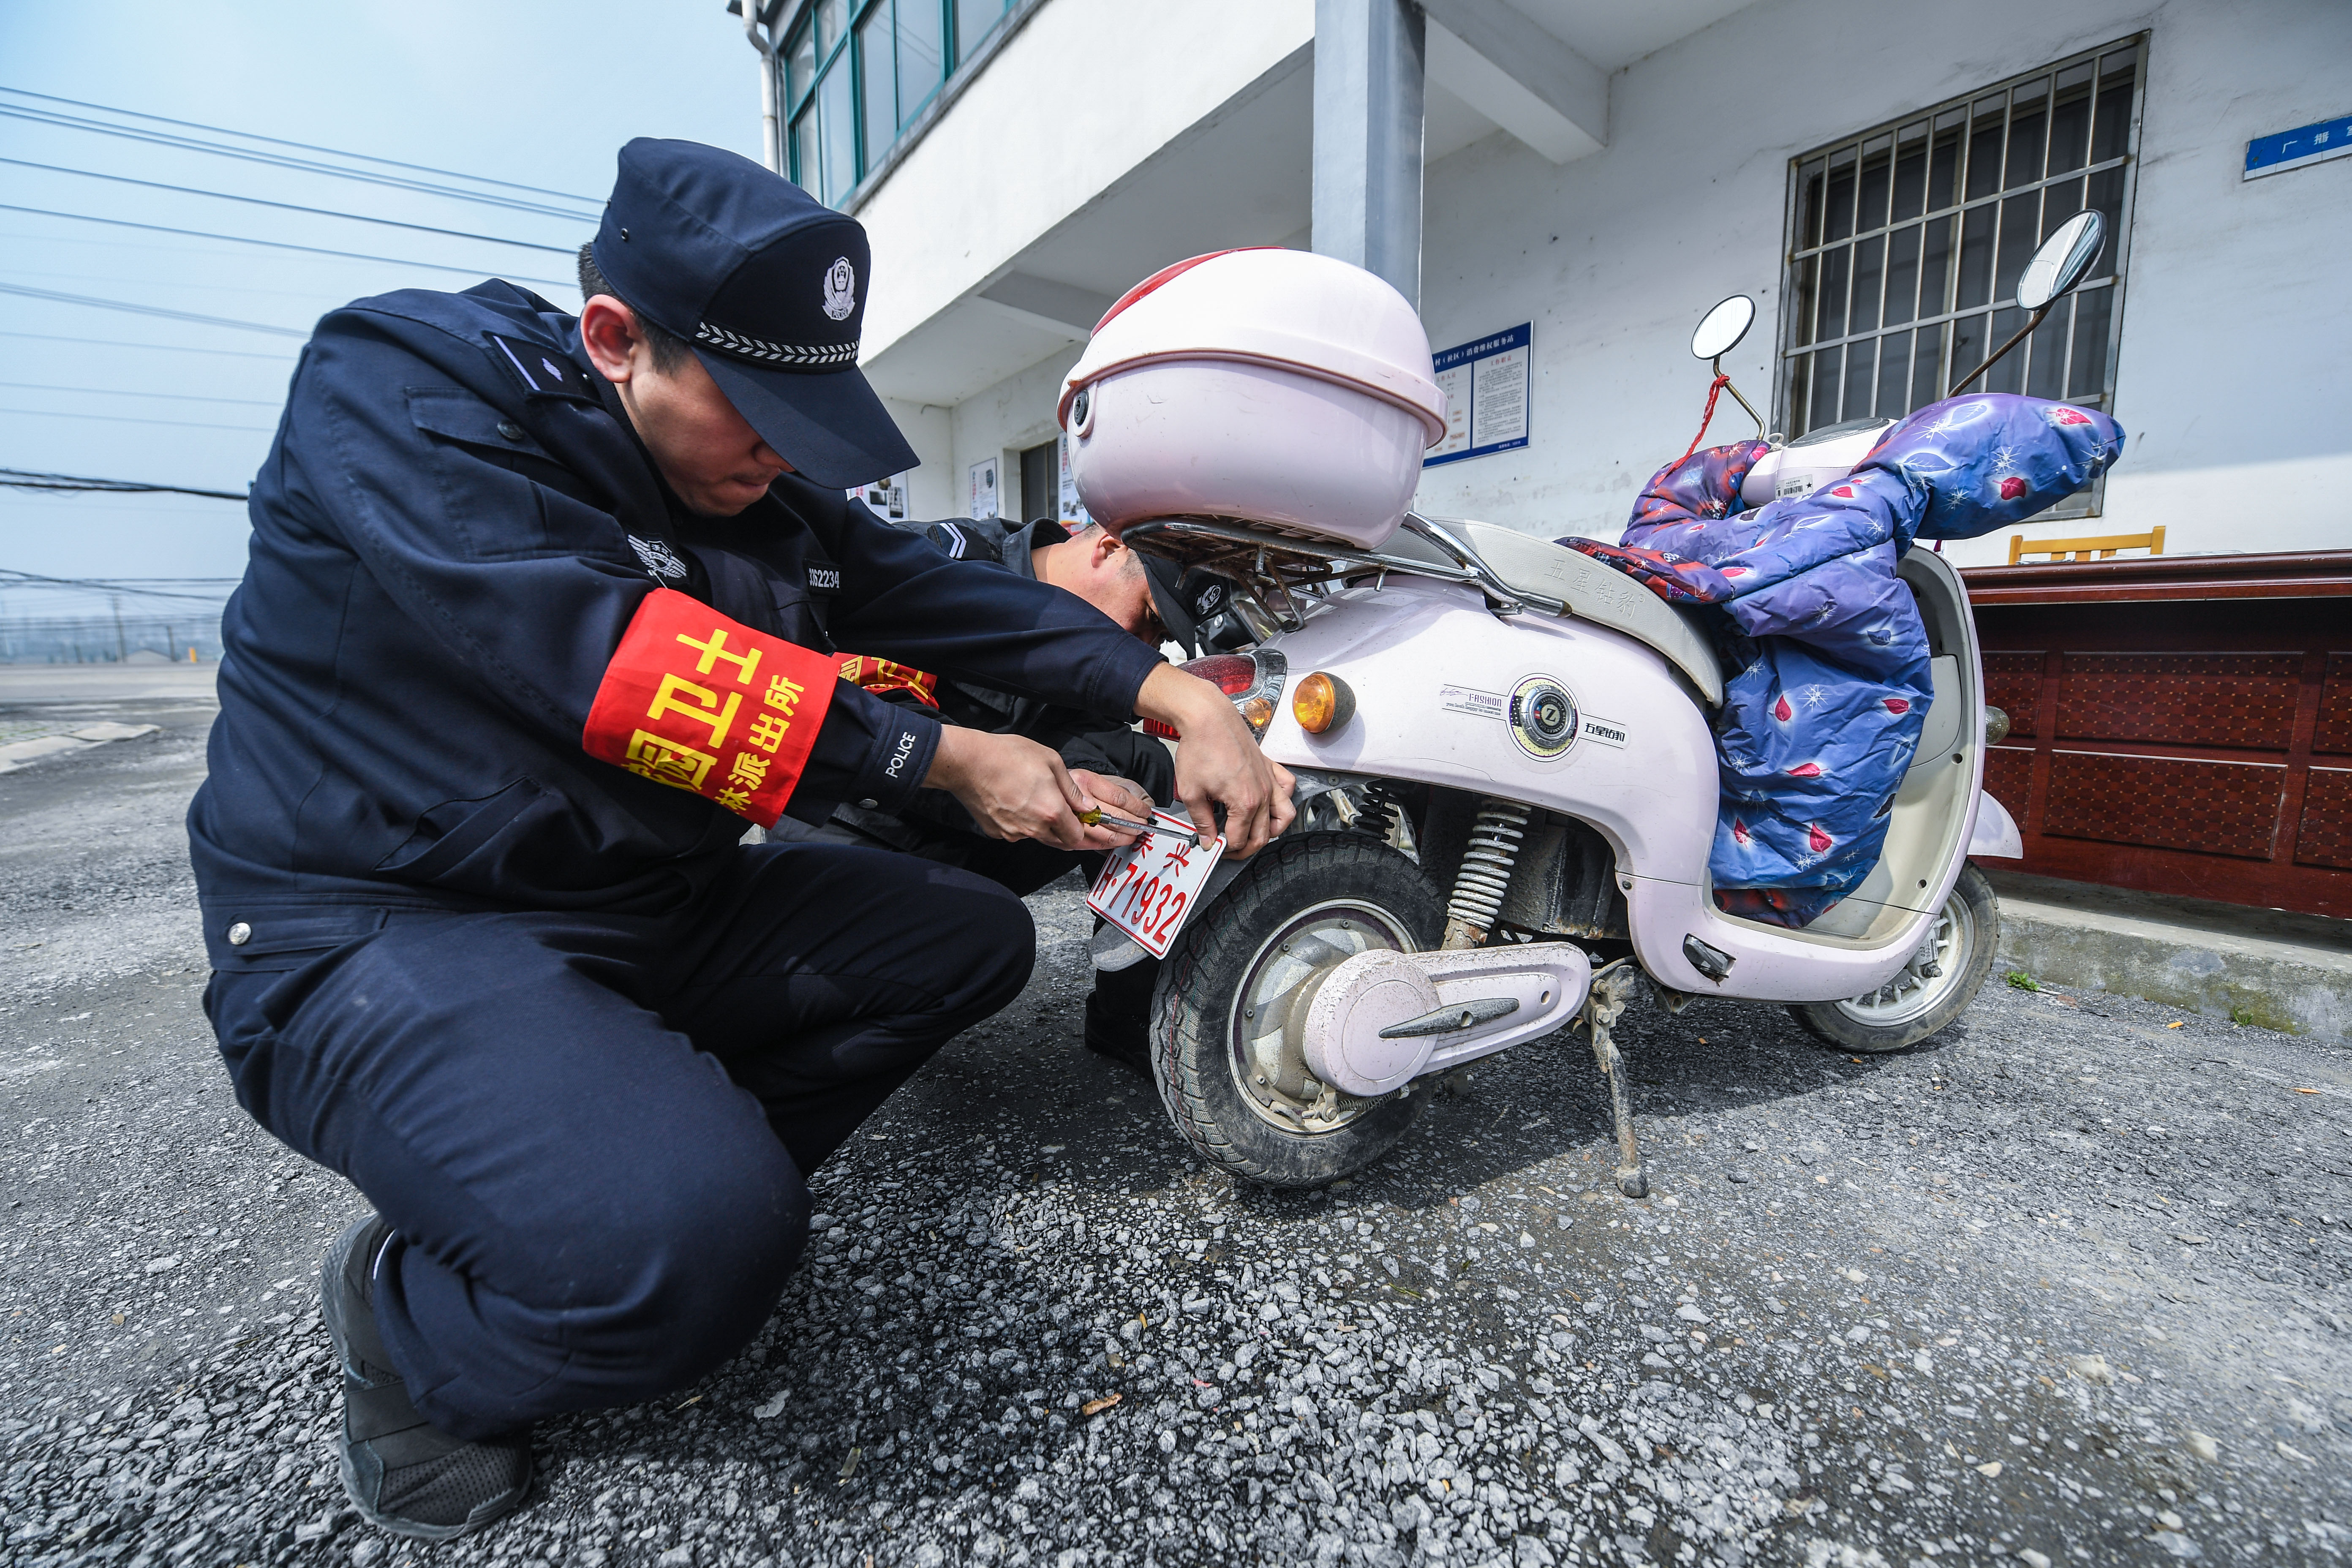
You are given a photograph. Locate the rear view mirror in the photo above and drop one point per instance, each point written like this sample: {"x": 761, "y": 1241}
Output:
{"x": 2063, "y": 260}
{"x": 1721, "y": 329}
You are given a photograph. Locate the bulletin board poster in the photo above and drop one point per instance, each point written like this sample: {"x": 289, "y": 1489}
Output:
{"x": 1068, "y": 507}
{"x": 980, "y": 482}
{"x": 1486, "y": 386}
{"x": 886, "y": 498}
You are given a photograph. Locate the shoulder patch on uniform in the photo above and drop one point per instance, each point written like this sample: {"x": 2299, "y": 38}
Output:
{"x": 540, "y": 371}
{"x": 949, "y": 537}
{"x": 660, "y": 559}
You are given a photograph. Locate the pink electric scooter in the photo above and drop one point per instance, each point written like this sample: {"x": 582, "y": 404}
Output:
{"x": 1505, "y": 774}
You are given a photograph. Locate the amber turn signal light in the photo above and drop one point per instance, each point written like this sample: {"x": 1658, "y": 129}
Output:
{"x": 1322, "y": 703}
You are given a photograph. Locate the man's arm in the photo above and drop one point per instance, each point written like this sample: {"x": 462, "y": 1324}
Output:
{"x": 1015, "y": 788}
{"x": 534, "y": 591}
{"x": 903, "y": 598}
{"x": 907, "y": 601}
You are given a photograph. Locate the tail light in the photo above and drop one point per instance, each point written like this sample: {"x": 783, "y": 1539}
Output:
{"x": 1253, "y": 682}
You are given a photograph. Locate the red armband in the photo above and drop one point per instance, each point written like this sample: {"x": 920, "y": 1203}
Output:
{"x": 703, "y": 703}
{"x": 881, "y": 677}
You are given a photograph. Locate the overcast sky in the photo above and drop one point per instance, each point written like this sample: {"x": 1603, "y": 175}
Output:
{"x": 528, "y": 91}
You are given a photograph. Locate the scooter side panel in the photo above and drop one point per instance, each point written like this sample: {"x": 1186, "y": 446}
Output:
{"x": 1433, "y": 671}
{"x": 1649, "y": 785}
{"x": 1766, "y": 964}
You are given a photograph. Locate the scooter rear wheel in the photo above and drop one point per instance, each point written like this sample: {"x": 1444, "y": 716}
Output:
{"x": 1223, "y": 1053}
{"x": 1914, "y": 1003}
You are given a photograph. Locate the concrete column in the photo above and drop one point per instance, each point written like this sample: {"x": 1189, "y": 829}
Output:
{"x": 1368, "y": 57}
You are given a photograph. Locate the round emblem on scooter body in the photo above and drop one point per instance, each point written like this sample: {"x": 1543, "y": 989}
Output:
{"x": 1543, "y": 717}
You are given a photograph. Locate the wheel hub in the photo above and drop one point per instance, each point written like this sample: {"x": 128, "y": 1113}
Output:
{"x": 1270, "y": 1007}
{"x": 1933, "y": 967}
{"x": 1339, "y": 1024}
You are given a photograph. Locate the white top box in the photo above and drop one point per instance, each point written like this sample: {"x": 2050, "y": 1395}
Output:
{"x": 1278, "y": 387}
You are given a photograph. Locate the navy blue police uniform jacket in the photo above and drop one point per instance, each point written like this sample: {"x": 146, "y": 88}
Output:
{"x": 457, "y": 543}
{"x": 1102, "y": 742}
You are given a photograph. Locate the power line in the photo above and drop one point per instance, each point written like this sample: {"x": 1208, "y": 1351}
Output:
{"x": 170, "y": 396}
{"x": 169, "y": 348}
{"x": 134, "y": 419}
{"x": 25, "y": 480}
{"x": 50, "y": 276}
{"x": 305, "y": 146}
{"x": 280, "y": 161}
{"x": 115, "y": 584}
{"x": 53, "y": 294}
{"x": 85, "y": 504}
{"x": 292, "y": 207}
{"x": 272, "y": 244}
{"x": 11, "y": 578}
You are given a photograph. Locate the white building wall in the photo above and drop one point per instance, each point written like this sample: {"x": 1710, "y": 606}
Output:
{"x": 1011, "y": 416}
{"x": 1086, "y": 92}
{"x": 2232, "y": 339}
{"x": 2234, "y": 334}
{"x": 933, "y": 487}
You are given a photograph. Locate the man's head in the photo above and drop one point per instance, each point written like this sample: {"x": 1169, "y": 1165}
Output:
{"x": 1093, "y": 564}
{"x": 710, "y": 454}
{"x": 1147, "y": 595}
{"x": 728, "y": 306}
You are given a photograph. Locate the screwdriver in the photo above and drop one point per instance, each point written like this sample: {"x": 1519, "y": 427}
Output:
{"x": 1098, "y": 817}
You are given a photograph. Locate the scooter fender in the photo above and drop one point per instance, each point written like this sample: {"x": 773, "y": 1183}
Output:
{"x": 1994, "y": 834}
{"x": 1382, "y": 1018}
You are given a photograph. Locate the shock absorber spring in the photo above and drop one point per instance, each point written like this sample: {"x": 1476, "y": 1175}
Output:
{"x": 1485, "y": 872}
{"x": 1384, "y": 814}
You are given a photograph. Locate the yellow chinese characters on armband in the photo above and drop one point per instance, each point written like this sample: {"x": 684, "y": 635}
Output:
{"x": 882, "y": 678}
{"x": 703, "y": 703}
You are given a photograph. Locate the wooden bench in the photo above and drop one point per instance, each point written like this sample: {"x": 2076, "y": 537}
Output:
{"x": 2085, "y": 549}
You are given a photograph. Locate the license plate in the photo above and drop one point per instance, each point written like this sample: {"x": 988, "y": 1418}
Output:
{"x": 1147, "y": 888}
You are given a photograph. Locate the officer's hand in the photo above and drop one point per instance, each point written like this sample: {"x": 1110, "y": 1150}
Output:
{"x": 1015, "y": 788}
{"x": 1218, "y": 763}
{"x": 1120, "y": 797}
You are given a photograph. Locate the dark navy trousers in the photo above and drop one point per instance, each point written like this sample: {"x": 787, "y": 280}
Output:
{"x": 591, "y": 1131}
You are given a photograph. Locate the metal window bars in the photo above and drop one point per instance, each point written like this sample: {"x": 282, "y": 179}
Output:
{"x": 1906, "y": 243}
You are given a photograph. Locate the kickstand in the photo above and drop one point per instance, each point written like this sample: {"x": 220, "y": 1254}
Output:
{"x": 1612, "y": 988}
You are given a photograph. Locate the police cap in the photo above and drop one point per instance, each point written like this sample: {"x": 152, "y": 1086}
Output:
{"x": 1184, "y": 600}
{"x": 768, "y": 287}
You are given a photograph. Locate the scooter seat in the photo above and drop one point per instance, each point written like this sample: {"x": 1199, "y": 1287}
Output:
{"x": 1598, "y": 594}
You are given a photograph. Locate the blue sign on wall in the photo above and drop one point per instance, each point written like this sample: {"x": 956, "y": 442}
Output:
{"x": 2293, "y": 149}
{"x": 1486, "y": 385}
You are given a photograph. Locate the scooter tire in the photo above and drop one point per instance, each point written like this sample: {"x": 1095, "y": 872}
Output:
{"x": 1193, "y": 1039}
{"x": 1973, "y": 910}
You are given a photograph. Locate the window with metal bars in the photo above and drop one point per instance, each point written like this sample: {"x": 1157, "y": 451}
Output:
{"x": 857, "y": 72}
{"x": 1906, "y": 243}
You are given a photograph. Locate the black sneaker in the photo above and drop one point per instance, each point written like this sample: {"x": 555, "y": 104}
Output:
{"x": 1123, "y": 1039}
{"x": 405, "y": 1474}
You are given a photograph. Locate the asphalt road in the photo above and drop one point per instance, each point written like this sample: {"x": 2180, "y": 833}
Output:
{"x": 2067, "y": 1284}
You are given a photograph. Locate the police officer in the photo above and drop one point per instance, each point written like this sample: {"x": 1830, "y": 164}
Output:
{"x": 1148, "y": 595}
{"x": 539, "y": 612}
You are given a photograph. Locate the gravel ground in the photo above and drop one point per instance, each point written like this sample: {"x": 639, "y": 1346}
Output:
{"x": 2067, "y": 1283}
